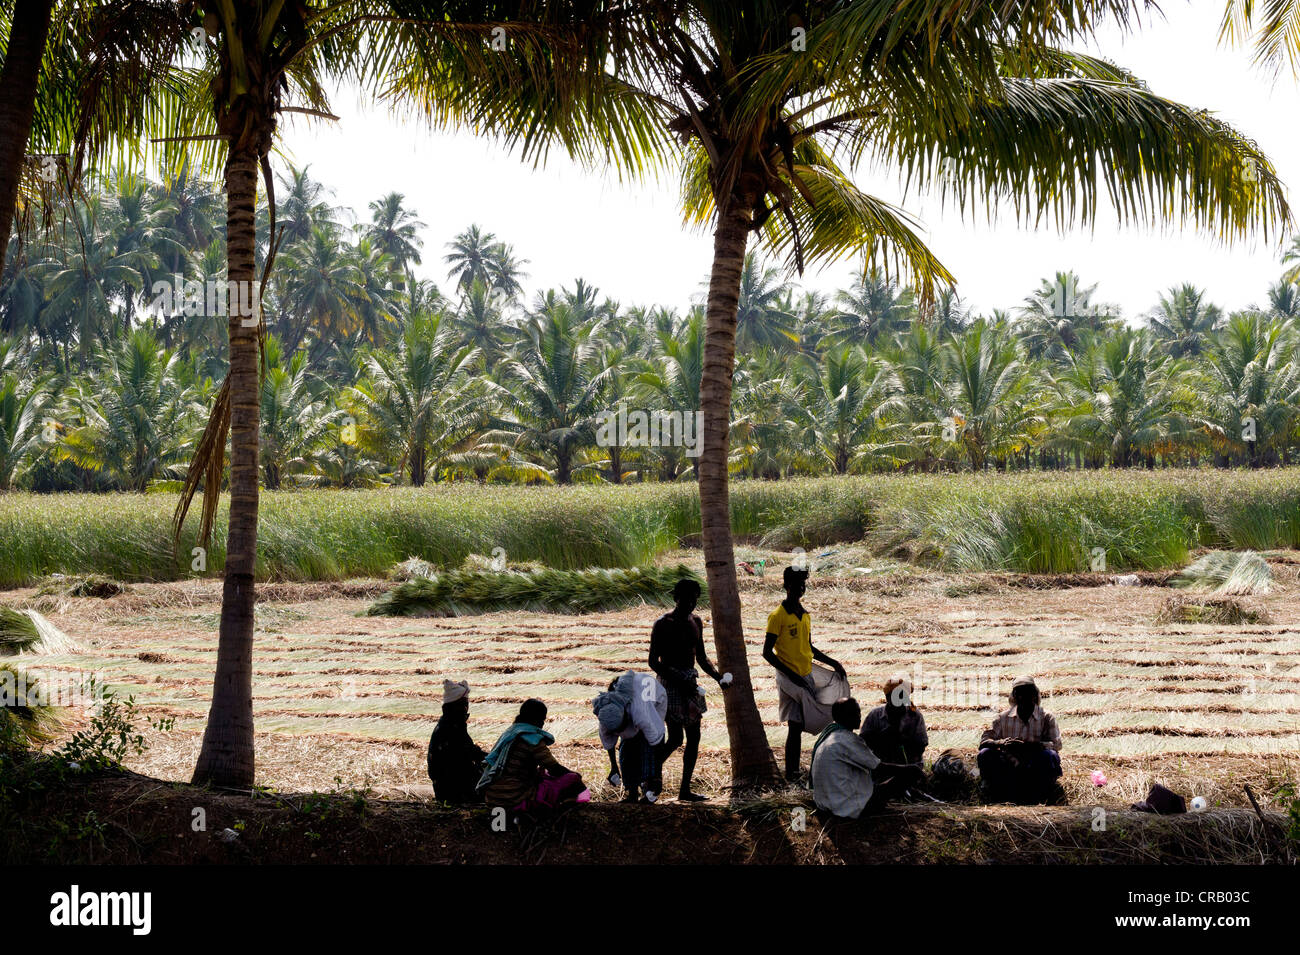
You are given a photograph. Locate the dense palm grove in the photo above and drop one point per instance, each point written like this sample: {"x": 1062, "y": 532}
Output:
{"x": 111, "y": 352}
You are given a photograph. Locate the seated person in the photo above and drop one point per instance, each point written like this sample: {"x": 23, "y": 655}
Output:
{"x": 1019, "y": 757}
{"x": 520, "y": 773}
{"x": 455, "y": 762}
{"x": 843, "y": 765}
{"x": 896, "y": 732}
{"x": 631, "y": 715}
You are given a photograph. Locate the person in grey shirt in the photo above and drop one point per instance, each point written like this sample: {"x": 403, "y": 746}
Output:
{"x": 843, "y": 764}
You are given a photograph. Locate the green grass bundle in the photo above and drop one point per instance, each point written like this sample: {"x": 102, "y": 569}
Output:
{"x": 458, "y": 593}
{"x": 18, "y": 632}
{"x": 1227, "y": 573}
{"x": 22, "y": 715}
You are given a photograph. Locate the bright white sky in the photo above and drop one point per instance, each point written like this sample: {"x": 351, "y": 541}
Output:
{"x": 628, "y": 239}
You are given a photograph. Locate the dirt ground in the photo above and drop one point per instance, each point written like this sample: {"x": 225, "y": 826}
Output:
{"x": 347, "y": 702}
{"x": 135, "y": 819}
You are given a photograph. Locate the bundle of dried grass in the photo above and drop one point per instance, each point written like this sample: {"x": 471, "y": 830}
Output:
{"x": 1214, "y": 609}
{"x": 22, "y": 714}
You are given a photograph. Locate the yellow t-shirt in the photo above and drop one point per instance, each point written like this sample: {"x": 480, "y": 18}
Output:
{"x": 793, "y": 645}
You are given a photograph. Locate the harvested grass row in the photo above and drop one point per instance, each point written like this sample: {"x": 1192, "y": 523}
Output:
{"x": 458, "y": 593}
{"x": 89, "y": 585}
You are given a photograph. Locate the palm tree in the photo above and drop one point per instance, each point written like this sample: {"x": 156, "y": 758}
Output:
{"x": 378, "y": 307}
{"x": 264, "y": 57}
{"x": 557, "y": 388}
{"x": 194, "y": 209}
{"x": 23, "y": 429}
{"x": 505, "y": 270}
{"x": 1291, "y": 259}
{"x": 917, "y": 361}
{"x": 1126, "y": 398}
{"x": 1252, "y": 393}
{"x": 480, "y": 323}
{"x": 761, "y": 319}
{"x": 139, "y": 416}
{"x": 875, "y": 308}
{"x": 394, "y": 230}
{"x": 470, "y": 258}
{"x": 29, "y": 25}
{"x": 421, "y": 396}
{"x": 949, "y": 314}
{"x": 671, "y": 379}
{"x": 1184, "y": 320}
{"x": 846, "y": 399}
{"x": 1284, "y": 299}
{"x": 296, "y": 420}
{"x": 1059, "y": 314}
{"x": 760, "y": 95}
{"x": 767, "y": 439}
{"x": 88, "y": 275}
{"x": 304, "y": 212}
{"x": 115, "y": 56}
{"x": 322, "y": 291}
{"x": 139, "y": 224}
{"x": 989, "y": 391}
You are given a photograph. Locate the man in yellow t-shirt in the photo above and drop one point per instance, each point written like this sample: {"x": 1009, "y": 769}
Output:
{"x": 789, "y": 649}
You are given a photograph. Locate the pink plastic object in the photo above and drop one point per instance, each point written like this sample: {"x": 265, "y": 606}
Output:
{"x": 1098, "y": 778}
{"x": 584, "y": 796}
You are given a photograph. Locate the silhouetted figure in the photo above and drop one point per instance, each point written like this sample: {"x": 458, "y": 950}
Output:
{"x": 631, "y": 716}
{"x": 789, "y": 649}
{"x": 520, "y": 773}
{"x": 896, "y": 733}
{"x": 455, "y": 762}
{"x": 1019, "y": 757}
{"x": 676, "y": 645}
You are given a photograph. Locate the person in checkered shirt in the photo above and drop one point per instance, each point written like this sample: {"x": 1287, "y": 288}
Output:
{"x": 1019, "y": 756}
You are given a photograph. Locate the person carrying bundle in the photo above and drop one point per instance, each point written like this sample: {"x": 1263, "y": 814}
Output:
{"x": 631, "y": 715}
{"x": 1019, "y": 756}
{"x": 788, "y": 647}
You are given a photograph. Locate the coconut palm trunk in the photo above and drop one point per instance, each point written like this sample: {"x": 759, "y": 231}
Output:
{"x": 226, "y": 757}
{"x": 751, "y": 754}
{"x": 18, "y": 78}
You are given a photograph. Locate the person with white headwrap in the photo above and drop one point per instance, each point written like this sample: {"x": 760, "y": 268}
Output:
{"x": 455, "y": 762}
{"x": 630, "y": 715}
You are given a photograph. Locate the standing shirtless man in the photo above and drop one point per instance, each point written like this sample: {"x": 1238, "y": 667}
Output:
{"x": 676, "y": 645}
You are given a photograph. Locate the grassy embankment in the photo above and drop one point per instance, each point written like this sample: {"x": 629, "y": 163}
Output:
{"x": 1036, "y": 523}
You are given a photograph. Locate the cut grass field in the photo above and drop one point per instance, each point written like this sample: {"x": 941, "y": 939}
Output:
{"x": 1034, "y": 523}
{"x": 343, "y": 697}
